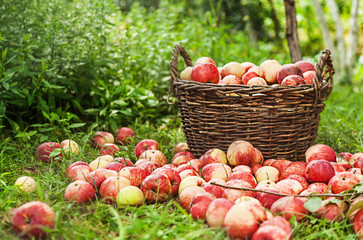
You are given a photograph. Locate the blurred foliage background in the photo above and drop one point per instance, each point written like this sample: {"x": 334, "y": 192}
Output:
{"x": 85, "y": 64}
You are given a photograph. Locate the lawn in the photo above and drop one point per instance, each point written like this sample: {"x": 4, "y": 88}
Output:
{"x": 340, "y": 127}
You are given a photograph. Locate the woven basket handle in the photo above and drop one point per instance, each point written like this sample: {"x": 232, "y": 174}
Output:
{"x": 324, "y": 72}
{"x": 178, "y": 49}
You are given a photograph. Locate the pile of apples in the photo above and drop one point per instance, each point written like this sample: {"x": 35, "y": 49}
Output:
{"x": 269, "y": 72}
{"x": 206, "y": 186}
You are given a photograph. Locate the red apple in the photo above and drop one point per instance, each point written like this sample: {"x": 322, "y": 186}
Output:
{"x": 342, "y": 182}
{"x": 199, "y": 205}
{"x": 146, "y": 144}
{"x": 299, "y": 79}
{"x": 154, "y": 156}
{"x": 268, "y": 162}
{"x": 134, "y": 174}
{"x": 173, "y": 177}
{"x": 116, "y": 166}
{"x": 248, "y": 177}
{"x": 289, "y": 206}
{"x": 230, "y": 79}
{"x": 289, "y": 186}
{"x": 309, "y": 77}
{"x": 255, "y": 167}
{"x": 181, "y": 147}
{"x": 180, "y": 160}
{"x": 96, "y": 177}
{"x": 332, "y": 209}
{"x": 320, "y": 152}
{"x": 233, "y": 68}
{"x": 281, "y": 164}
{"x": 337, "y": 167}
{"x": 355, "y": 171}
{"x": 111, "y": 186}
{"x": 217, "y": 210}
{"x": 186, "y": 166}
{"x": 256, "y": 81}
{"x": 297, "y": 168}
{"x": 286, "y": 70}
{"x": 242, "y": 168}
{"x": 270, "y": 233}
{"x": 247, "y": 65}
{"x": 217, "y": 191}
{"x": 345, "y": 155}
{"x": 279, "y": 222}
{"x": 205, "y": 72}
{"x": 318, "y": 187}
{"x": 319, "y": 171}
{"x": 291, "y": 80}
{"x": 190, "y": 181}
{"x": 79, "y": 172}
{"x": 125, "y": 135}
{"x": 234, "y": 194}
{"x": 100, "y": 138}
{"x": 124, "y": 161}
{"x": 45, "y": 149}
{"x": 302, "y": 180}
{"x": 267, "y": 199}
{"x": 156, "y": 188}
{"x": 216, "y": 170}
{"x": 187, "y": 173}
{"x": 149, "y": 167}
{"x": 196, "y": 164}
{"x": 358, "y": 223}
{"x": 344, "y": 163}
{"x": 248, "y": 76}
{"x": 79, "y": 191}
{"x": 73, "y": 165}
{"x": 241, "y": 153}
{"x": 205, "y": 60}
{"x": 186, "y": 196}
{"x": 214, "y": 155}
{"x": 33, "y": 219}
{"x": 305, "y": 66}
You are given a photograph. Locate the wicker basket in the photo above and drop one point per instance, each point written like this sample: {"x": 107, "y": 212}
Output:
{"x": 281, "y": 121}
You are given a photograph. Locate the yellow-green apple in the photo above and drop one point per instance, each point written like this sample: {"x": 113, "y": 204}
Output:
{"x": 125, "y": 135}
{"x": 297, "y": 168}
{"x": 343, "y": 181}
{"x": 186, "y": 74}
{"x": 267, "y": 173}
{"x": 230, "y": 79}
{"x": 111, "y": 186}
{"x": 130, "y": 195}
{"x": 155, "y": 156}
{"x": 217, "y": 211}
{"x": 199, "y": 205}
{"x": 145, "y": 144}
{"x": 181, "y": 147}
{"x": 69, "y": 148}
{"x": 281, "y": 164}
{"x": 275, "y": 228}
{"x": 247, "y": 65}
{"x": 289, "y": 186}
{"x": 44, "y": 150}
{"x": 79, "y": 191}
{"x": 241, "y": 222}
{"x": 309, "y": 77}
{"x": 286, "y": 70}
{"x": 289, "y": 206}
{"x": 173, "y": 177}
{"x": 319, "y": 187}
{"x": 100, "y": 138}
{"x": 234, "y": 194}
{"x": 216, "y": 170}
{"x": 187, "y": 195}
{"x": 135, "y": 175}
{"x": 33, "y": 220}
{"x": 190, "y": 181}
{"x": 241, "y": 152}
{"x": 109, "y": 149}
{"x": 358, "y": 223}
{"x": 305, "y": 66}
{"x": 25, "y": 184}
{"x": 100, "y": 162}
{"x": 337, "y": 167}
{"x": 269, "y": 70}
{"x": 248, "y": 177}
{"x": 320, "y": 152}
{"x": 242, "y": 168}
{"x": 205, "y": 60}
{"x": 302, "y": 180}
{"x": 256, "y": 81}
{"x": 124, "y": 161}
{"x": 187, "y": 173}
{"x": 205, "y": 73}
{"x": 319, "y": 171}
{"x": 217, "y": 191}
{"x": 156, "y": 188}
{"x": 116, "y": 166}
{"x": 268, "y": 162}
{"x": 332, "y": 209}
{"x": 214, "y": 155}
{"x": 79, "y": 172}
{"x": 233, "y": 68}
{"x": 96, "y": 177}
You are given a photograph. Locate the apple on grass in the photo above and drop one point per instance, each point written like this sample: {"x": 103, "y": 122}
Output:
{"x": 173, "y": 177}
{"x": 145, "y": 144}
{"x": 332, "y": 209}
{"x": 190, "y": 181}
{"x": 267, "y": 199}
{"x": 281, "y": 164}
{"x": 46, "y": 150}
{"x": 241, "y": 152}
{"x": 288, "y": 207}
{"x": 217, "y": 210}
{"x": 180, "y": 160}
{"x": 302, "y": 180}
{"x": 217, "y": 191}
{"x": 344, "y": 163}
{"x": 135, "y": 175}
{"x": 130, "y": 195}
{"x": 33, "y": 220}
{"x": 100, "y": 138}
{"x": 25, "y": 184}
{"x": 181, "y": 147}
{"x": 109, "y": 149}
{"x": 267, "y": 173}
{"x": 80, "y": 192}
{"x": 154, "y": 156}
{"x": 149, "y": 167}
{"x": 186, "y": 166}
{"x": 125, "y": 135}
{"x": 96, "y": 177}
{"x": 79, "y": 172}
{"x": 342, "y": 182}
{"x": 187, "y": 195}
{"x": 156, "y": 188}
{"x": 319, "y": 171}
{"x": 255, "y": 167}
{"x": 205, "y": 72}
{"x": 234, "y": 194}
{"x": 111, "y": 186}
{"x": 69, "y": 148}
{"x": 216, "y": 170}
{"x": 358, "y": 223}
{"x": 320, "y": 152}
{"x": 276, "y": 228}
{"x": 214, "y": 155}
{"x": 116, "y": 166}
{"x": 199, "y": 205}
{"x": 338, "y": 168}
{"x": 124, "y": 161}
{"x": 101, "y": 162}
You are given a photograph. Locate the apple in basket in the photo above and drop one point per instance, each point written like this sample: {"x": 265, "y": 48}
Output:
{"x": 269, "y": 70}
{"x": 232, "y": 68}
{"x": 288, "y": 69}
{"x": 205, "y": 72}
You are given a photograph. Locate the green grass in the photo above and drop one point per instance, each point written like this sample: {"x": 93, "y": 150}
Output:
{"x": 340, "y": 127}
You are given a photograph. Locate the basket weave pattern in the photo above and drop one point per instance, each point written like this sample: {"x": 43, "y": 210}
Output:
{"x": 281, "y": 121}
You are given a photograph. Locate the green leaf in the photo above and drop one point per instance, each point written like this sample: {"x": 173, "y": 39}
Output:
{"x": 313, "y": 204}
{"x": 77, "y": 125}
